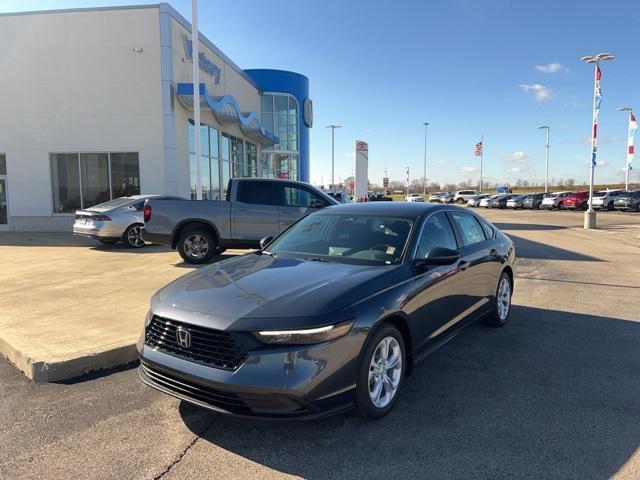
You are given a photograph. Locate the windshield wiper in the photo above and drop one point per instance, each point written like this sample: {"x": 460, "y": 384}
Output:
{"x": 317, "y": 259}
{"x": 271, "y": 254}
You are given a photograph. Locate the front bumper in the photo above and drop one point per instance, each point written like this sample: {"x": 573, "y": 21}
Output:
{"x": 293, "y": 382}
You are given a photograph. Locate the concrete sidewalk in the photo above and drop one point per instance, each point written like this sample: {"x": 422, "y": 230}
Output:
{"x": 71, "y": 305}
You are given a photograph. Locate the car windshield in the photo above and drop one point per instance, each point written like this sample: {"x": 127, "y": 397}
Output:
{"x": 116, "y": 202}
{"x": 345, "y": 238}
{"x": 550, "y": 195}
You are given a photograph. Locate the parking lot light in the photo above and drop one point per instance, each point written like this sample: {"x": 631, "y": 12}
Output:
{"x": 546, "y": 162}
{"x": 590, "y": 214}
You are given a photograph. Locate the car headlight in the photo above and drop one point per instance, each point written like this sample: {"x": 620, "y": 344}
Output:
{"x": 147, "y": 319}
{"x": 304, "y": 336}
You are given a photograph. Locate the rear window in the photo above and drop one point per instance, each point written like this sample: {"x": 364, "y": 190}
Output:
{"x": 469, "y": 228}
{"x": 488, "y": 230}
{"x": 259, "y": 192}
{"x": 116, "y": 202}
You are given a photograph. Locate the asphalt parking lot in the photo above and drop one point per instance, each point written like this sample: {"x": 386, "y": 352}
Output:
{"x": 552, "y": 395}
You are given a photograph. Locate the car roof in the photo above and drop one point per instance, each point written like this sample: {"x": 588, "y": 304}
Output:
{"x": 399, "y": 209}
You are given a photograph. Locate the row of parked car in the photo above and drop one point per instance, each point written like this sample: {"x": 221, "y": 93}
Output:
{"x": 626, "y": 200}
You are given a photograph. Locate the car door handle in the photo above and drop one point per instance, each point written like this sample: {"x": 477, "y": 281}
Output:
{"x": 463, "y": 265}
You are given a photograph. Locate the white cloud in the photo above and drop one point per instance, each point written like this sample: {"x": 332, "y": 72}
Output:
{"x": 516, "y": 157}
{"x": 540, "y": 92}
{"x": 351, "y": 155}
{"x": 552, "y": 68}
{"x": 602, "y": 163}
{"x": 468, "y": 169}
{"x": 517, "y": 170}
{"x": 439, "y": 162}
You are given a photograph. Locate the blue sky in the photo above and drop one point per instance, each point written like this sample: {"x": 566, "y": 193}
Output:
{"x": 469, "y": 67}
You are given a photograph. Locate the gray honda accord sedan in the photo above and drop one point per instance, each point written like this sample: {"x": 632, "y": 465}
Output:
{"x": 334, "y": 313}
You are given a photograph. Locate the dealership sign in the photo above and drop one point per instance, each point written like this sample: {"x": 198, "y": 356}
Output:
{"x": 206, "y": 65}
{"x": 361, "y": 169}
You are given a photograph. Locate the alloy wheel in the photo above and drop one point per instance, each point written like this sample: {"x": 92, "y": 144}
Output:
{"x": 196, "y": 246}
{"x": 385, "y": 371}
{"x": 134, "y": 236}
{"x": 504, "y": 298}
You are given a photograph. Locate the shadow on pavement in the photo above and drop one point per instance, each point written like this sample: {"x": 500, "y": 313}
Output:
{"x": 552, "y": 395}
{"x": 528, "y": 226}
{"x": 526, "y": 248}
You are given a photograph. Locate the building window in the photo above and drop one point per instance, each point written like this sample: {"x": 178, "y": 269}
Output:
{"x": 252, "y": 159}
{"x": 82, "y": 180}
{"x": 209, "y": 168}
{"x": 280, "y": 165}
{"x": 281, "y": 115}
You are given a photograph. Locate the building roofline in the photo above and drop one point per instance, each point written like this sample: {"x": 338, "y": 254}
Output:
{"x": 163, "y": 7}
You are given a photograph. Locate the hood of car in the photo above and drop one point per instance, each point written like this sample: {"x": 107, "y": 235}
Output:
{"x": 266, "y": 287}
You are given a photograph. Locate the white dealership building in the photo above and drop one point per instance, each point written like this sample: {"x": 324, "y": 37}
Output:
{"x": 97, "y": 103}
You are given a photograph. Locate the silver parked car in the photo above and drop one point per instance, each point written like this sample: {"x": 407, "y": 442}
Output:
{"x": 115, "y": 220}
{"x": 463, "y": 196}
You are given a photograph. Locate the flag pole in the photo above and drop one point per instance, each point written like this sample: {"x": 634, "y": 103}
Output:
{"x": 481, "y": 158}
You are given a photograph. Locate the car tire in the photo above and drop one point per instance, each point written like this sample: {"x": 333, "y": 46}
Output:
{"x": 109, "y": 241}
{"x": 610, "y": 206}
{"x": 638, "y": 207}
{"x": 197, "y": 245}
{"x": 372, "y": 373}
{"x": 501, "y": 302}
{"x": 460, "y": 201}
{"x": 132, "y": 236}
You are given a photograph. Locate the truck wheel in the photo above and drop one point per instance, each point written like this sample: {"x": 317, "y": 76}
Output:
{"x": 197, "y": 245}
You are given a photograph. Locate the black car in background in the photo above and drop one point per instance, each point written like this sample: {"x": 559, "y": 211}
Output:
{"x": 334, "y": 313}
{"x": 533, "y": 201}
{"x": 500, "y": 201}
{"x": 628, "y": 201}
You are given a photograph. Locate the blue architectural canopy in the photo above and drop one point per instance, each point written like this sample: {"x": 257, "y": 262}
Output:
{"x": 227, "y": 110}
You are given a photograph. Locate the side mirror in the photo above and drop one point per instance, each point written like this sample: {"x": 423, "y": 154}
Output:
{"x": 265, "y": 241}
{"x": 437, "y": 256}
{"x": 442, "y": 256}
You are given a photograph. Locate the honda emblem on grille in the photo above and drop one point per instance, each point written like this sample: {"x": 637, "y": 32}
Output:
{"x": 183, "y": 337}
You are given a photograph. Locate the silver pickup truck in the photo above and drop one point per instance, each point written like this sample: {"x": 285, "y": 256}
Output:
{"x": 254, "y": 208}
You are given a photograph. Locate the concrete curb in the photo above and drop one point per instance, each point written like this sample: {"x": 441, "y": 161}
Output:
{"x": 53, "y": 371}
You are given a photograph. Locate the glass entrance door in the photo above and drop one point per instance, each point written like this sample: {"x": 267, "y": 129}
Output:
{"x": 4, "y": 213}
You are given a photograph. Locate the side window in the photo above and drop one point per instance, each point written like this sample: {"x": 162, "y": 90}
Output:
{"x": 436, "y": 232}
{"x": 295, "y": 196}
{"x": 259, "y": 192}
{"x": 469, "y": 228}
{"x": 488, "y": 230}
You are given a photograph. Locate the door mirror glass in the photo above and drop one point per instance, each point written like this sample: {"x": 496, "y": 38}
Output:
{"x": 265, "y": 241}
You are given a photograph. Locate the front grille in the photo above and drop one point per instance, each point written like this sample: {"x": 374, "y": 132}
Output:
{"x": 210, "y": 347}
{"x": 227, "y": 401}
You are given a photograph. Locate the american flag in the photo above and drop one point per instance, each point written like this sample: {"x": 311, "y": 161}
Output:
{"x": 478, "y": 151}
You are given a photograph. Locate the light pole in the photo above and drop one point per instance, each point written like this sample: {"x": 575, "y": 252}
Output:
{"x": 546, "y": 162}
{"x": 629, "y": 144}
{"x": 590, "y": 215}
{"x": 333, "y": 129}
{"x": 195, "y": 58}
{"x": 424, "y": 180}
